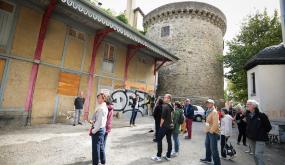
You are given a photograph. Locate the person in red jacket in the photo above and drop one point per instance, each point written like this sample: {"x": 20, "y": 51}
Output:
{"x": 109, "y": 118}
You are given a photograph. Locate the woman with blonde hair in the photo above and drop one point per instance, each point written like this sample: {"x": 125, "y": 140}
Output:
{"x": 99, "y": 120}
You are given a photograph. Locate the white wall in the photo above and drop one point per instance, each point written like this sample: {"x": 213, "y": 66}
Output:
{"x": 270, "y": 89}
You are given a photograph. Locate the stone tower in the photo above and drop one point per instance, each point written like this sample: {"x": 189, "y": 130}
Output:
{"x": 194, "y": 32}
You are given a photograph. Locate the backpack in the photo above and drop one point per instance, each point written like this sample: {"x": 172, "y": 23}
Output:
{"x": 229, "y": 150}
{"x": 181, "y": 118}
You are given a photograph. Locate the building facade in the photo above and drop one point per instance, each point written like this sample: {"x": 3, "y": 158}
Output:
{"x": 266, "y": 79}
{"x": 50, "y": 50}
{"x": 193, "y": 31}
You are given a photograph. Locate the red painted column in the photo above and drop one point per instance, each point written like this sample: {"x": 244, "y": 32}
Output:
{"x": 100, "y": 35}
{"x": 38, "y": 53}
{"x": 131, "y": 52}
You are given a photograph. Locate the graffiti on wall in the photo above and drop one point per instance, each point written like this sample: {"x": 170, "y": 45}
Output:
{"x": 123, "y": 103}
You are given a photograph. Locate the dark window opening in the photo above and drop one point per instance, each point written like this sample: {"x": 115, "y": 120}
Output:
{"x": 253, "y": 83}
{"x": 165, "y": 31}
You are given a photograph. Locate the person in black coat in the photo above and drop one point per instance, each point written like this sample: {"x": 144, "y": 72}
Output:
{"x": 258, "y": 127}
{"x": 157, "y": 117}
{"x": 241, "y": 122}
{"x": 135, "y": 108}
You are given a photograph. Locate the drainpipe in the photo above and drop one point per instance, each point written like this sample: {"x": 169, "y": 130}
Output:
{"x": 282, "y": 9}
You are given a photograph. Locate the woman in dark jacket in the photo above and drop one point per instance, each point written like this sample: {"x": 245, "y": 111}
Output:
{"x": 157, "y": 116}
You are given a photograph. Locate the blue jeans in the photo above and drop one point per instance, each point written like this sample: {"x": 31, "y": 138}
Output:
{"x": 211, "y": 144}
{"x": 164, "y": 132}
{"x": 98, "y": 148}
{"x": 134, "y": 116}
{"x": 176, "y": 141}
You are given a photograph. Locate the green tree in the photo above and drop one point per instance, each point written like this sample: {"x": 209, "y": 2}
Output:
{"x": 122, "y": 17}
{"x": 258, "y": 31}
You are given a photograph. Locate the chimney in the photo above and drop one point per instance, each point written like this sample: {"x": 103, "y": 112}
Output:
{"x": 131, "y": 4}
{"x": 282, "y": 9}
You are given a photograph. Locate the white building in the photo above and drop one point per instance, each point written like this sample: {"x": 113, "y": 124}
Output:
{"x": 266, "y": 83}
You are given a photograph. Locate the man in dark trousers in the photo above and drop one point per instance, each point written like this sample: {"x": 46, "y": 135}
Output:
{"x": 166, "y": 128}
{"x": 258, "y": 127}
{"x": 135, "y": 108}
{"x": 78, "y": 106}
{"x": 189, "y": 114}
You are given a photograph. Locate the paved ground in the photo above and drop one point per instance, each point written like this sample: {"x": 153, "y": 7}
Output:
{"x": 64, "y": 144}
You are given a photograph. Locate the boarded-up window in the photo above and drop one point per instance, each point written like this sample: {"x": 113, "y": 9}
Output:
{"x": 68, "y": 84}
{"x": 109, "y": 58}
{"x": 6, "y": 18}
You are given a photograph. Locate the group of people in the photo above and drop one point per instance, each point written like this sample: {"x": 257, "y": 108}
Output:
{"x": 252, "y": 125}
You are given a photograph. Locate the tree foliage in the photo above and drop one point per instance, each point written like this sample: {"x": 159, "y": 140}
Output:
{"x": 122, "y": 17}
{"x": 258, "y": 31}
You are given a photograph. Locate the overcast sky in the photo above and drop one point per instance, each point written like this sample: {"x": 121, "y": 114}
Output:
{"x": 235, "y": 10}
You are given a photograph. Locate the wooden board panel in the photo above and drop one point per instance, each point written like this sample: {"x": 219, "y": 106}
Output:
{"x": 2, "y": 66}
{"x": 68, "y": 84}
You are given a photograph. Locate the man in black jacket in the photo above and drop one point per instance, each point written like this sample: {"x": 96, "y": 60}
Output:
{"x": 166, "y": 128}
{"x": 78, "y": 106}
{"x": 258, "y": 127}
{"x": 135, "y": 108}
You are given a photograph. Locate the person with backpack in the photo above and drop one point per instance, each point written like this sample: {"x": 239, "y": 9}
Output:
{"x": 166, "y": 128}
{"x": 189, "y": 114}
{"x": 178, "y": 119}
{"x": 226, "y": 130}
{"x": 258, "y": 127}
{"x": 157, "y": 116}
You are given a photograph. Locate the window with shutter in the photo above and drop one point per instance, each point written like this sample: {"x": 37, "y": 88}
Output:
{"x": 6, "y": 18}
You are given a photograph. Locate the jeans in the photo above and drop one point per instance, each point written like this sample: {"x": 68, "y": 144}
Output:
{"x": 105, "y": 138}
{"x": 133, "y": 117}
{"x": 164, "y": 132}
{"x": 224, "y": 140}
{"x": 211, "y": 144}
{"x": 176, "y": 141}
{"x": 98, "y": 148}
{"x": 77, "y": 115}
{"x": 189, "y": 127}
{"x": 257, "y": 147}
{"x": 242, "y": 134}
{"x": 157, "y": 126}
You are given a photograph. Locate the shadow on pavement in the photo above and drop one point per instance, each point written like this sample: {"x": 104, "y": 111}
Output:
{"x": 81, "y": 163}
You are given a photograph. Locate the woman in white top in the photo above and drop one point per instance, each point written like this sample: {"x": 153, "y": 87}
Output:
{"x": 226, "y": 130}
{"x": 99, "y": 120}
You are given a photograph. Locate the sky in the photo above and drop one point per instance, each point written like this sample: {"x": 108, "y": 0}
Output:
{"x": 235, "y": 10}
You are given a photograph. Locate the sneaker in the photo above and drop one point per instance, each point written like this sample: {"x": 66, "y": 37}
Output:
{"x": 156, "y": 158}
{"x": 131, "y": 126}
{"x": 80, "y": 123}
{"x": 225, "y": 158}
{"x": 251, "y": 153}
{"x": 73, "y": 124}
{"x": 174, "y": 154}
{"x": 134, "y": 125}
{"x": 205, "y": 161}
{"x": 166, "y": 158}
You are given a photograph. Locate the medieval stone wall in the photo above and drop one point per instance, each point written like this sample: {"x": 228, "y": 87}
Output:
{"x": 196, "y": 33}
